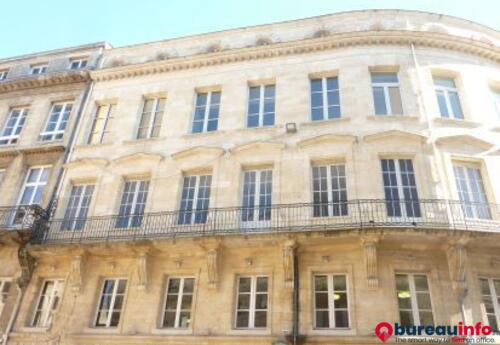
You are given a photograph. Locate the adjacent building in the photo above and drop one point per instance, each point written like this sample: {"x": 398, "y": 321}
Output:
{"x": 296, "y": 182}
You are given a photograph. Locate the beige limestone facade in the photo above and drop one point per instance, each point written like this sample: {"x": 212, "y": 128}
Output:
{"x": 291, "y": 183}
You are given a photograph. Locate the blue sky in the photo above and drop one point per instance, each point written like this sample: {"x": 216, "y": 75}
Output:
{"x": 31, "y": 26}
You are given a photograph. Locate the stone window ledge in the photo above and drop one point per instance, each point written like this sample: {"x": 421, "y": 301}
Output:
{"x": 392, "y": 117}
{"x": 142, "y": 141}
{"x": 324, "y": 122}
{"x": 34, "y": 329}
{"x": 456, "y": 122}
{"x": 333, "y": 332}
{"x": 171, "y": 331}
{"x": 93, "y": 330}
{"x": 249, "y": 332}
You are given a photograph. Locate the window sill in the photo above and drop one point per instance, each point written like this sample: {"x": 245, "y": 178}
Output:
{"x": 34, "y": 329}
{"x": 324, "y": 122}
{"x": 171, "y": 331}
{"x": 86, "y": 146}
{"x": 202, "y": 134}
{"x": 249, "y": 331}
{"x": 94, "y": 330}
{"x": 392, "y": 118}
{"x": 456, "y": 122}
{"x": 142, "y": 141}
{"x": 261, "y": 128}
{"x": 333, "y": 332}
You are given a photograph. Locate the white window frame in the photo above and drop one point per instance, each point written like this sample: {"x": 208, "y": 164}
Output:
{"x": 47, "y": 315}
{"x": 3, "y": 282}
{"x": 262, "y": 101}
{"x": 256, "y": 206}
{"x": 131, "y": 216}
{"x": 154, "y": 113}
{"x": 385, "y": 86}
{"x": 79, "y": 62}
{"x": 446, "y": 90}
{"x": 39, "y": 69}
{"x": 37, "y": 184}
{"x": 324, "y": 97}
{"x": 13, "y": 138}
{"x": 331, "y": 205}
{"x": 413, "y": 297}
{"x": 70, "y": 223}
{"x": 57, "y": 129}
{"x": 108, "y": 115}
{"x": 206, "y": 112}
{"x": 331, "y": 301}
{"x": 494, "y": 297}
{"x": 178, "y": 309}
{"x": 194, "y": 211}
{"x": 474, "y": 207}
{"x": 253, "y": 298}
{"x": 3, "y": 74}
{"x": 112, "y": 304}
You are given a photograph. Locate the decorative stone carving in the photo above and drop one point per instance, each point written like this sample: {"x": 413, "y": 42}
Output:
{"x": 213, "y": 266}
{"x": 371, "y": 263}
{"x": 27, "y": 263}
{"x": 288, "y": 261}
{"x": 142, "y": 271}
{"x": 457, "y": 258}
{"x": 76, "y": 273}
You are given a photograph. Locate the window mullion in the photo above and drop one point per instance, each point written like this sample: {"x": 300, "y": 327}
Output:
{"x": 446, "y": 93}
{"x": 207, "y": 111}
{"x": 387, "y": 99}
{"x": 195, "y": 197}
{"x": 257, "y": 194}
{"x": 324, "y": 94}
{"x": 331, "y": 310}
{"x": 261, "y": 105}
{"x": 153, "y": 117}
{"x": 179, "y": 301}
{"x": 468, "y": 184}
{"x": 329, "y": 198}
{"x": 21, "y": 114}
{"x": 112, "y": 303}
{"x": 494, "y": 297}
{"x": 134, "y": 202}
{"x": 414, "y": 305}
{"x": 59, "y": 119}
{"x": 399, "y": 180}
{"x": 253, "y": 288}
{"x": 105, "y": 123}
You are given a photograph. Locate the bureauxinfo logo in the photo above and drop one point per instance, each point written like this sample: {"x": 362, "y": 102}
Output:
{"x": 457, "y": 334}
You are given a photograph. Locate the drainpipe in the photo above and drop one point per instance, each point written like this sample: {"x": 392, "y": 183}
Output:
{"x": 74, "y": 135}
{"x": 13, "y": 316}
{"x": 295, "y": 298}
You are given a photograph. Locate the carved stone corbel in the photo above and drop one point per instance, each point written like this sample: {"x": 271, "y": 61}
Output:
{"x": 27, "y": 263}
{"x": 76, "y": 273}
{"x": 142, "y": 271}
{"x": 288, "y": 262}
{"x": 369, "y": 244}
{"x": 457, "y": 259}
{"x": 213, "y": 257}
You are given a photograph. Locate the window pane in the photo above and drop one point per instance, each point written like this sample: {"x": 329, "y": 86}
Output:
{"x": 341, "y": 319}
{"x": 260, "y": 319}
{"x": 395, "y": 97}
{"x": 379, "y": 100}
{"x": 455, "y": 105}
{"x": 242, "y": 318}
{"x": 322, "y": 319}
{"x": 384, "y": 77}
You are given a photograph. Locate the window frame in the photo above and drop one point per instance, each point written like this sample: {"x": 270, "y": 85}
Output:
{"x": 252, "y": 310}
{"x": 256, "y": 207}
{"x": 446, "y": 90}
{"x": 23, "y": 114}
{"x": 194, "y": 210}
{"x": 331, "y": 311}
{"x": 81, "y": 62}
{"x": 132, "y": 216}
{"x": 178, "y": 309}
{"x": 474, "y": 205}
{"x": 155, "y": 112}
{"x": 108, "y": 116}
{"x": 387, "y": 98}
{"x": 73, "y": 223}
{"x": 3, "y": 282}
{"x": 324, "y": 97}
{"x": 57, "y": 131}
{"x": 112, "y": 302}
{"x": 59, "y": 285}
{"x": 262, "y": 100}
{"x": 36, "y": 184}
{"x": 206, "y": 114}
{"x": 331, "y": 205}
{"x": 4, "y": 74}
{"x": 495, "y": 297}
{"x": 415, "y": 310}
{"x": 39, "y": 69}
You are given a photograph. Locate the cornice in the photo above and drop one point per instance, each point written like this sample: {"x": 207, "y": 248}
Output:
{"x": 394, "y": 133}
{"x": 326, "y": 139}
{"x": 32, "y": 81}
{"x": 333, "y": 41}
{"x": 32, "y": 150}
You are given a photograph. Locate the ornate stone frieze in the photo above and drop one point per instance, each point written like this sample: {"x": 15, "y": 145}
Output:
{"x": 27, "y": 263}
{"x": 288, "y": 262}
{"x": 369, "y": 244}
{"x": 213, "y": 257}
{"x": 76, "y": 273}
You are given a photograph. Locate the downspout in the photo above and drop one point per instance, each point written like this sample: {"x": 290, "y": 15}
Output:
{"x": 13, "y": 316}
{"x": 295, "y": 298}
{"x": 74, "y": 135}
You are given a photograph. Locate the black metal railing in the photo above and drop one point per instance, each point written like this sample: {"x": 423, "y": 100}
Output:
{"x": 354, "y": 214}
{"x": 20, "y": 217}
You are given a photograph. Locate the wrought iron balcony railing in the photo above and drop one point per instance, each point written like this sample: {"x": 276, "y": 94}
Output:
{"x": 354, "y": 214}
{"x": 20, "y": 217}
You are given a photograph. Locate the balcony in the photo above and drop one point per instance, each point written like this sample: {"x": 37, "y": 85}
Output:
{"x": 20, "y": 217}
{"x": 354, "y": 214}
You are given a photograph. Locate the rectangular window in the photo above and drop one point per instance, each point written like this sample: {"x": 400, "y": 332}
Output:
{"x": 331, "y": 306}
{"x": 48, "y": 301}
{"x": 102, "y": 124}
{"x": 38, "y": 69}
{"x": 152, "y": 115}
{"x": 13, "y": 126}
{"x": 414, "y": 300}
{"x": 325, "y": 98}
{"x": 32, "y": 190}
{"x": 386, "y": 94}
{"x": 496, "y": 101}
{"x": 257, "y": 195}
{"x": 5, "y": 285}
{"x": 3, "y": 74}
{"x": 261, "y": 104}
{"x": 178, "y": 302}
{"x": 56, "y": 124}
{"x": 78, "y": 63}
{"x": 252, "y": 302}
{"x": 111, "y": 303}
{"x": 133, "y": 204}
{"x": 447, "y": 97}
{"x": 206, "y": 113}
{"x": 490, "y": 293}
{"x": 78, "y": 207}
{"x": 471, "y": 191}
{"x": 400, "y": 188}
{"x": 195, "y": 199}
{"x": 329, "y": 191}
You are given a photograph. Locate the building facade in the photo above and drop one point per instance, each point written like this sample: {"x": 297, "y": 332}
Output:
{"x": 296, "y": 182}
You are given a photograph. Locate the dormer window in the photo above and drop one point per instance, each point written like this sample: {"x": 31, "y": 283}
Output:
{"x": 79, "y": 63}
{"x": 38, "y": 69}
